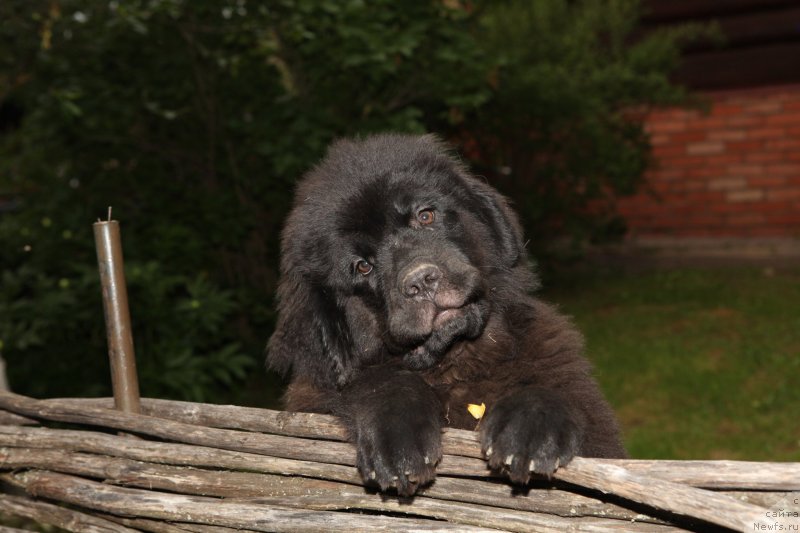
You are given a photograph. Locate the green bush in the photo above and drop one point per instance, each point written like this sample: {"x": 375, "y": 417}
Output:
{"x": 560, "y": 133}
{"x": 194, "y": 120}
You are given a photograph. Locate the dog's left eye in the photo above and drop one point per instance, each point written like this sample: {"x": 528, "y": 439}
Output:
{"x": 426, "y": 217}
{"x": 363, "y": 267}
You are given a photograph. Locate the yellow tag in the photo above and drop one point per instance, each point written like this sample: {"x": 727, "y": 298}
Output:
{"x": 476, "y": 410}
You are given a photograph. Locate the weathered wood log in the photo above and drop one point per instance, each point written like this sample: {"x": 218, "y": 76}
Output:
{"x": 158, "y": 526}
{"x": 718, "y": 474}
{"x": 318, "y": 494}
{"x": 196, "y": 509}
{"x": 10, "y": 419}
{"x": 169, "y": 453}
{"x": 6, "y": 529}
{"x": 69, "y": 519}
{"x": 309, "y": 425}
{"x": 245, "y": 441}
{"x": 303, "y": 491}
{"x": 666, "y": 495}
{"x": 270, "y": 514}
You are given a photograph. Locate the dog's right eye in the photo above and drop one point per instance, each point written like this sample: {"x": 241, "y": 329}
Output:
{"x": 426, "y": 217}
{"x": 363, "y": 267}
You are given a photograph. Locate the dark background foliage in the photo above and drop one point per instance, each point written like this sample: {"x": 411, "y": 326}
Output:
{"x": 195, "y": 119}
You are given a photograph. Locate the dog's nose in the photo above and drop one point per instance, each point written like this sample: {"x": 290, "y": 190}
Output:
{"x": 421, "y": 280}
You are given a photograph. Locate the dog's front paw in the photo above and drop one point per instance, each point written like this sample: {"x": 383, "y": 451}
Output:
{"x": 400, "y": 452}
{"x": 395, "y": 421}
{"x": 530, "y": 431}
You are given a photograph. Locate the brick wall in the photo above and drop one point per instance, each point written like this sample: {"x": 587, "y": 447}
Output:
{"x": 732, "y": 170}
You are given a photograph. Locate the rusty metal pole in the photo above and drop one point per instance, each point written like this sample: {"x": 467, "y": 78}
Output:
{"x": 118, "y": 320}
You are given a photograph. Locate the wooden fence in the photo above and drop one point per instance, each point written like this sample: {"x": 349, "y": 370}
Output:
{"x": 182, "y": 466}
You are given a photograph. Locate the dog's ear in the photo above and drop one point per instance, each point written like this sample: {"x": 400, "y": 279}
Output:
{"x": 497, "y": 213}
{"x": 310, "y": 337}
{"x": 492, "y": 206}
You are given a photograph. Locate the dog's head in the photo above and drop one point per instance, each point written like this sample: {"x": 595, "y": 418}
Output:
{"x": 391, "y": 250}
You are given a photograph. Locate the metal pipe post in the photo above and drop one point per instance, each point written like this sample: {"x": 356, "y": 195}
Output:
{"x": 118, "y": 320}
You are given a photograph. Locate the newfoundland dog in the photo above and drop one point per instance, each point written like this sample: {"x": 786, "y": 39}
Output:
{"x": 405, "y": 295}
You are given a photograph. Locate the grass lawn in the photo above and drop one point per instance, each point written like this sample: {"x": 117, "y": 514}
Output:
{"x": 699, "y": 364}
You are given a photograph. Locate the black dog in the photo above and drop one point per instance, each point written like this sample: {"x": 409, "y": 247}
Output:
{"x": 405, "y": 295}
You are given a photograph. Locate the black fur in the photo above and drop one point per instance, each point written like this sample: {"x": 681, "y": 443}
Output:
{"x": 405, "y": 294}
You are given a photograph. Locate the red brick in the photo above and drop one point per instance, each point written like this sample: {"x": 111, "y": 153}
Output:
{"x": 726, "y": 109}
{"x": 766, "y": 181}
{"x": 772, "y": 207}
{"x": 659, "y": 188}
{"x": 703, "y": 172}
{"x": 744, "y": 121}
{"x": 690, "y": 188}
{"x": 785, "y": 119}
{"x": 730, "y": 158}
{"x": 654, "y": 211}
{"x": 707, "y": 123}
{"x": 677, "y": 113}
{"x": 669, "y": 150}
{"x": 730, "y": 134}
{"x": 683, "y": 161}
{"x": 659, "y": 139}
{"x": 745, "y": 195}
{"x": 766, "y": 132}
{"x": 766, "y": 106}
{"x": 704, "y": 198}
{"x": 727, "y": 184}
{"x": 792, "y": 106}
{"x": 790, "y": 194}
{"x": 687, "y": 137}
{"x": 665, "y": 174}
{"x": 785, "y": 218}
{"x": 666, "y": 126}
{"x": 745, "y": 146}
{"x": 669, "y": 220}
{"x": 745, "y": 219}
{"x": 783, "y": 144}
{"x": 764, "y": 157}
{"x": 706, "y": 220}
{"x": 785, "y": 169}
{"x": 746, "y": 169}
{"x": 734, "y": 207}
